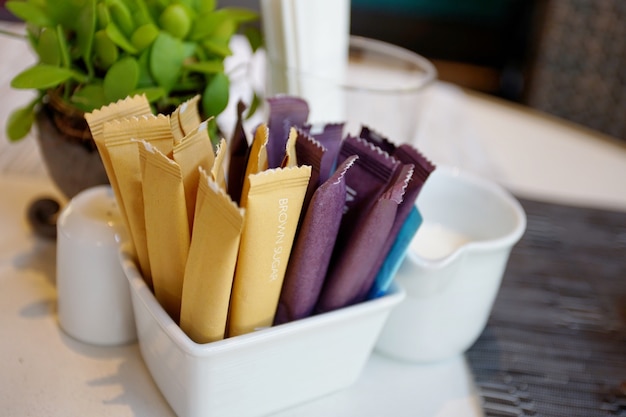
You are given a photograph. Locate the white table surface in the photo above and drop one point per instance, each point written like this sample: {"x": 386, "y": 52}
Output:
{"x": 44, "y": 372}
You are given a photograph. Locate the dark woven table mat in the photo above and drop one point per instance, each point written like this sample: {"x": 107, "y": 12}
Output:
{"x": 555, "y": 343}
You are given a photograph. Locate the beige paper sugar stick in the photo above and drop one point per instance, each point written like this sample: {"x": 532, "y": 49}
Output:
{"x": 257, "y": 160}
{"x": 185, "y": 119}
{"x": 193, "y": 151}
{"x": 118, "y": 140}
{"x": 129, "y": 107}
{"x": 218, "y": 172}
{"x": 273, "y": 208}
{"x": 211, "y": 263}
{"x": 167, "y": 228}
{"x": 189, "y": 115}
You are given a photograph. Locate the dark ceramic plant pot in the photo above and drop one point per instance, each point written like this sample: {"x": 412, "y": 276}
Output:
{"x": 71, "y": 158}
{"x": 67, "y": 147}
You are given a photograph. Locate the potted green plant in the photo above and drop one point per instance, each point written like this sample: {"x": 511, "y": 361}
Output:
{"x": 94, "y": 52}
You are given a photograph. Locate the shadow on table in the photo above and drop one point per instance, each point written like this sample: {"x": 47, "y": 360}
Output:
{"x": 40, "y": 259}
{"x": 139, "y": 390}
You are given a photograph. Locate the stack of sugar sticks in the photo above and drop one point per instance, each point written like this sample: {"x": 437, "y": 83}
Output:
{"x": 255, "y": 233}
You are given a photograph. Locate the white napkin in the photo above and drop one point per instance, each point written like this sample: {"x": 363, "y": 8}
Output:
{"x": 310, "y": 38}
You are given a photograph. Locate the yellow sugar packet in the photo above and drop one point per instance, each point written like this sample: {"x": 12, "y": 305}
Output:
{"x": 273, "y": 208}
{"x": 257, "y": 159}
{"x": 124, "y": 155}
{"x": 185, "y": 118}
{"x": 167, "y": 228}
{"x": 193, "y": 151}
{"x": 211, "y": 263}
{"x": 128, "y": 107}
{"x": 218, "y": 172}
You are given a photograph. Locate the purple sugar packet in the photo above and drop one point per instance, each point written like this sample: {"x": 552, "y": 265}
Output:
{"x": 239, "y": 149}
{"x": 366, "y": 221}
{"x": 396, "y": 192}
{"x": 420, "y": 170}
{"x": 377, "y": 139}
{"x": 309, "y": 152}
{"x": 330, "y": 136}
{"x": 373, "y": 172}
{"x": 285, "y": 113}
{"x": 345, "y": 284}
{"x": 407, "y": 154}
{"x": 313, "y": 248}
{"x": 396, "y": 254}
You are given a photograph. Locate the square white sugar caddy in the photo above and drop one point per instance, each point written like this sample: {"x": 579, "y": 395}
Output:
{"x": 258, "y": 373}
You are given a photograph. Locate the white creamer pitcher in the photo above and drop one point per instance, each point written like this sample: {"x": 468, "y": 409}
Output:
{"x": 453, "y": 268}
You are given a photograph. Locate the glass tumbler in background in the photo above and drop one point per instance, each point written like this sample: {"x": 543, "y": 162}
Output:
{"x": 381, "y": 87}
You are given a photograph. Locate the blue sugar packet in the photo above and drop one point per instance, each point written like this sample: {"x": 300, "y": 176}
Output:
{"x": 396, "y": 254}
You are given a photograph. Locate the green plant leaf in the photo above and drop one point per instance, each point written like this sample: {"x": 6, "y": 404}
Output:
{"x": 214, "y": 132}
{"x": 188, "y": 84}
{"x": 105, "y": 50}
{"x": 206, "y": 67}
{"x": 120, "y": 14}
{"x": 225, "y": 30}
{"x": 217, "y": 47}
{"x": 189, "y": 4}
{"x": 48, "y": 47}
{"x": 29, "y": 12}
{"x": 144, "y": 35}
{"x": 85, "y": 30}
{"x": 254, "y": 106}
{"x": 20, "y": 122}
{"x": 167, "y": 55}
{"x": 63, "y": 48}
{"x": 207, "y": 24}
{"x": 215, "y": 95}
{"x": 89, "y": 97}
{"x": 189, "y": 49}
{"x": 152, "y": 93}
{"x": 240, "y": 14}
{"x": 42, "y": 77}
{"x": 103, "y": 15}
{"x": 155, "y": 7}
{"x": 254, "y": 36}
{"x": 145, "y": 78}
{"x": 63, "y": 12}
{"x": 121, "y": 79}
{"x": 119, "y": 39}
{"x": 205, "y": 6}
{"x": 175, "y": 20}
{"x": 141, "y": 13}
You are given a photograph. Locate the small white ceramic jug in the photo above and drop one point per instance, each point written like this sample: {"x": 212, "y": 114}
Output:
{"x": 453, "y": 268}
{"x": 94, "y": 304}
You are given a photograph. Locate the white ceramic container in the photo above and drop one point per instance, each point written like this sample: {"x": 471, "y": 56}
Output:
{"x": 258, "y": 373}
{"x": 453, "y": 268}
{"x": 94, "y": 303}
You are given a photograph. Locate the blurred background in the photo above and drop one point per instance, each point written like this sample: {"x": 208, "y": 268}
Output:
{"x": 563, "y": 57}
